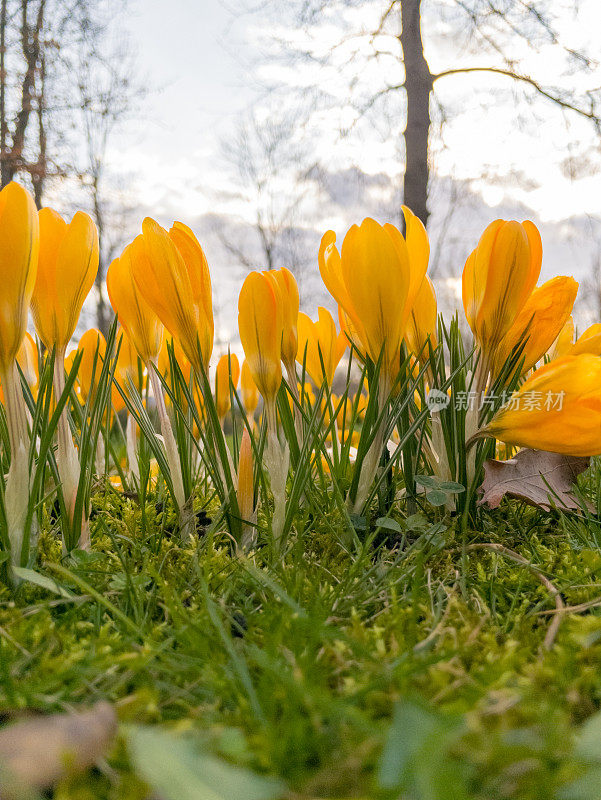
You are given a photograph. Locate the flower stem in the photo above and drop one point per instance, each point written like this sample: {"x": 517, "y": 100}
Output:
{"x": 172, "y": 453}
{"x": 67, "y": 461}
{"x": 18, "y": 481}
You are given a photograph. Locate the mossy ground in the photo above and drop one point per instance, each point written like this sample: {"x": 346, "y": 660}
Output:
{"x": 295, "y": 669}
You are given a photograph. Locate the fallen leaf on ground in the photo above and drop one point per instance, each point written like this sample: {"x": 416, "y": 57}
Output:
{"x": 542, "y": 479}
{"x": 37, "y": 752}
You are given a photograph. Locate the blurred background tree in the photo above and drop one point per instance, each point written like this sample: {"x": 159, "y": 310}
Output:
{"x": 399, "y": 58}
{"x": 67, "y": 82}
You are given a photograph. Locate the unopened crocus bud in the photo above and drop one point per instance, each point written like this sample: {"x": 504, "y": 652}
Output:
{"x": 260, "y": 324}
{"x": 249, "y": 391}
{"x": 171, "y": 273}
{"x": 67, "y": 268}
{"x": 227, "y": 366}
{"x": 499, "y": 276}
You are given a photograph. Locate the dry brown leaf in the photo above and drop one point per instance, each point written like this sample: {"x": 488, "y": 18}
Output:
{"x": 542, "y": 479}
{"x": 39, "y": 751}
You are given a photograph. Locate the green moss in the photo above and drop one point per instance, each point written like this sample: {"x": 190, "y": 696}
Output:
{"x": 294, "y": 669}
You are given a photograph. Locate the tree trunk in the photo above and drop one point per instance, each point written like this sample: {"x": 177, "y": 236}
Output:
{"x": 418, "y": 86}
{"x": 31, "y": 44}
{"x": 39, "y": 171}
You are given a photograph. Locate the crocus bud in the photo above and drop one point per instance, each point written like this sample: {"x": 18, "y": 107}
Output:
{"x": 227, "y": 364}
{"x": 92, "y": 345}
{"x": 375, "y": 280}
{"x": 245, "y": 492}
{"x": 249, "y": 391}
{"x": 499, "y": 276}
{"x": 260, "y": 325}
{"x": 172, "y": 275}
{"x": 67, "y": 268}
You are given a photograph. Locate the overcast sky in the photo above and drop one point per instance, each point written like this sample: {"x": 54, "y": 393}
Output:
{"x": 195, "y": 55}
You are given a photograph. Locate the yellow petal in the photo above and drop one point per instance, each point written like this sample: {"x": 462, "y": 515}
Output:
{"x": 376, "y": 272}
{"x": 227, "y": 364}
{"x": 260, "y": 326}
{"x": 422, "y": 321}
{"x": 558, "y": 408}
{"x": 19, "y": 243}
{"x": 93, "y": 346}
{"x": 135, "y": 315}
{"x": 539, "y": 322}
{"x": 290, "y": 300}
{"x": 564, "y": 341}
{"x": 249, "y": 391}
{"x": 589, "y": 342}
{"x": 67, "y": 269}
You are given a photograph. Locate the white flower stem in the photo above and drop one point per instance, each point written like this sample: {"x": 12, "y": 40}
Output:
{"x": 18, "y": 481}
{"x": 172, "y": 453}
{"x": 277, "y": 461}
{"x": 369, "y": 467}
{"x": 131, "y": 447}
{"x": 67, "y": 459}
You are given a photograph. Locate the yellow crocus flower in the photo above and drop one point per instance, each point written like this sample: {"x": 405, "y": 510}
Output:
{"x": 172, "y": 275}
{"x": 19, "y": 246}
{"x": 260, "y": 323}
{"x": 499, "y": 276}
{"x": 92, "y": 345}
{"x": 320, "y": 342}
{"x": 248, "y": 390}
{"x": 375, "y": 280}
{"x": 539, "y": 323}
{"x": 227, "y": 364}
{"x": 67, "y": 268}
{"x": 558, "y": 408}
{"x": 142, "y": 326}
